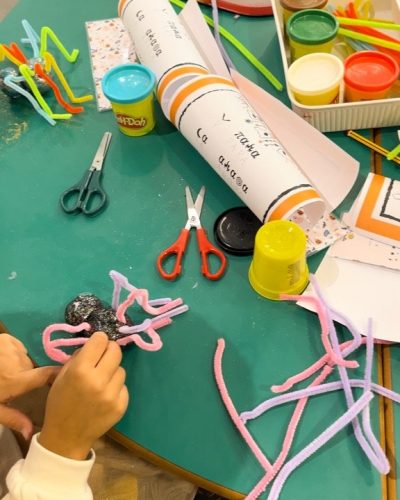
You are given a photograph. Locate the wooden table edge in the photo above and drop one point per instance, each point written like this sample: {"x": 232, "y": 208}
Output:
{"x": 168, "y": 466}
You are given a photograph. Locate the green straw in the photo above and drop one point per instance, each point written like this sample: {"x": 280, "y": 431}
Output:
{"x": 368, "y": 22}
{"x": 369, "y": 39}
{"x": 392, "y": 154}
{"x": 241, "y": 48}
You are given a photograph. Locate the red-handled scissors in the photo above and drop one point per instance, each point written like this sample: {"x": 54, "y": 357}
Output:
{"x": 178, "y": 248}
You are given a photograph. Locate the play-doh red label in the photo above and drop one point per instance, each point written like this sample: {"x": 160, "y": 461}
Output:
{"x": 128, "y": 121}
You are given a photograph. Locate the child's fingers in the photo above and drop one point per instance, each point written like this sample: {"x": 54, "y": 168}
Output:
{"x": 123, "y": 400}
{"x": 15, "y": 420}
{"x": 13, "y": 340}
{"x": 91, "y": 353}
{"x": 28, "y": 380}
{"x": 110, "y": 361}
{"x": 118, "y": 381}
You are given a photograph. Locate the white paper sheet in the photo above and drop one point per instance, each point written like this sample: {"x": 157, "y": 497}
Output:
{"x": 376, "y": 210}
{"x": 161, "y": 42}
{"x": 363, "y": 249}
{"x": 328, "y": 167}
{"x": 203, "y": 39}
{"x": 222, "y": 125}
{"x": 361, "y": 291}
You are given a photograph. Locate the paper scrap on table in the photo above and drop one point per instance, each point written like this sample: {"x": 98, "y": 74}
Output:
{"x": 324, "y": 233}
{"x": 360, "y": 291}
{"x": 198, "y": 96}
{"x": 109, "y": 46}
{"x": 362, "y": 249}
{"x": 376, "y": 210}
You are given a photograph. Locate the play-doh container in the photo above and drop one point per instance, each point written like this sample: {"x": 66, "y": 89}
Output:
{"x": 315, "y": 79}
{"x": 129, "y": 88}
{"x": 290, "y": 7}
{"x": 311, "y": 30}
{"x": 369, "y": 75}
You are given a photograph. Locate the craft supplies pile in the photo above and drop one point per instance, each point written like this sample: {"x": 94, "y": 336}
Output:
{"x": 287, "y": 174}
{"x": 30, "y": 77}
{"x": 187, "y": 84}
{"x": 336, "y": 55}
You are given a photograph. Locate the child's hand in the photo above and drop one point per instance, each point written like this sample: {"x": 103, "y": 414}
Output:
{"x": 18, "y": 376}
{"x": 88, "y": 397}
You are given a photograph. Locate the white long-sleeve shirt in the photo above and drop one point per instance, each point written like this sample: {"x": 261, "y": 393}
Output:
{"x": 43, "y": 475}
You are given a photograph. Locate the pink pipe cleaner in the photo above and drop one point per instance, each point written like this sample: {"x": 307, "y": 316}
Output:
{"x": 120, "y": 281}
{"x": 274, "y": 468}
{"x": 288, "y": 440}
{"x": 334, "y": 357}
{"x": 166, "y": 309}
{"x": 50, "y": 346}
{"x": 155, "y": 343}
{"x": 264, "y": 462}
{"x": 144, "y": 295}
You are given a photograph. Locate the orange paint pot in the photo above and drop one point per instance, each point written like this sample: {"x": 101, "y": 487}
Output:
{"x": 369, "y": 75}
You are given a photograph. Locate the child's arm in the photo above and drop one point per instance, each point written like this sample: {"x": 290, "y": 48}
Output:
{"x": 87, "y": 398}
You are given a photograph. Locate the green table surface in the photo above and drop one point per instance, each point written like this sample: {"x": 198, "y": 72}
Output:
{"x": 175, "y": 411}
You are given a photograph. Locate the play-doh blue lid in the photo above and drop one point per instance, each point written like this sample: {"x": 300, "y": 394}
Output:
{"x": 128, "y": 83}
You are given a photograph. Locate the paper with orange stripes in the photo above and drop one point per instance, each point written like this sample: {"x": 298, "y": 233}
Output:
{"x": 376, "y": 211}
{"x": 199, "y": 97}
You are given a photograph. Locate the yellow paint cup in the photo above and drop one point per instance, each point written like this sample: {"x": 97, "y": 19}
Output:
{"x": 315, "y": 79}
{"x": 279, "y": 262}
{"x": 129, "y": 88}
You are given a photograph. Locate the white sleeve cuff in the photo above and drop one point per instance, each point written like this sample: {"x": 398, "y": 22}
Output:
{"x": 52, "y": 474}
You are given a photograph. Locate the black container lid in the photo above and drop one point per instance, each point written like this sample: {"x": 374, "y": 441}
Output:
{"x": 235, "y": 230}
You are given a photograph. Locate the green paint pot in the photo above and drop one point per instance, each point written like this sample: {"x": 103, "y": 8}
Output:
{"x": 311, "y": 30}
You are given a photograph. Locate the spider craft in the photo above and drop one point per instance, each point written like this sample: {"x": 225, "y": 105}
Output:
{"x": 30, "y": 77}
{"x": 86, "y": 314}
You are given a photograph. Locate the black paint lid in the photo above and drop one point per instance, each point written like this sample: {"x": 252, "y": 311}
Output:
{"x": 235, "y": 230}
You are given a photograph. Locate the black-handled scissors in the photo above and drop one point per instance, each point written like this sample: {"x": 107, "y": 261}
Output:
{"x": 81, "y": 196}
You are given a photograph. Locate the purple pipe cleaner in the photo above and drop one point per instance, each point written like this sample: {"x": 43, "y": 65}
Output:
{"x": 217, "y": 37}
{"x": 372, "y": 449}
{"x": 317, "y": 443}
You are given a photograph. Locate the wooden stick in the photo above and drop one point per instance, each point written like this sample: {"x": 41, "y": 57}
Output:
{"x": 375, "y": 147}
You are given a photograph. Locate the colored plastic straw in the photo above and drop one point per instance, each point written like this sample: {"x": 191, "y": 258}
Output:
{"x": 11, "y": 82}
{"x": 349, "y": 21}
{"x": 51, "y": 63}
{"x": 241, "y": 48}
{"x": 369, "y": 39}
{"x": 33, "y": 38}
{"x": 46, "y": 33}
{"x": 372, "y": 145}
{"x": 5, "y": 52}
{"x": 27, "y": 74}
{"x": 51, "y": 83}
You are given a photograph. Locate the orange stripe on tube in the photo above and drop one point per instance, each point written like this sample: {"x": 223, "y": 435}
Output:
{"x": 198, "y": 84}
{"x": 293, "y": 201}
{"x": 365, "y": 218}
{"x": 183, "y": 70}
{"x": 121, "y": 6}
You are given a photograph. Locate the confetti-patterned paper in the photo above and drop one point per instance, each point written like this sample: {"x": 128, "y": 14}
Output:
{"x": 325, "y": 232}
{"x": 109, "y": 46}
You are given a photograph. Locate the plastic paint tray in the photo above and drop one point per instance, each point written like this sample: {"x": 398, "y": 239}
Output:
{"x": 345, "y": 116}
